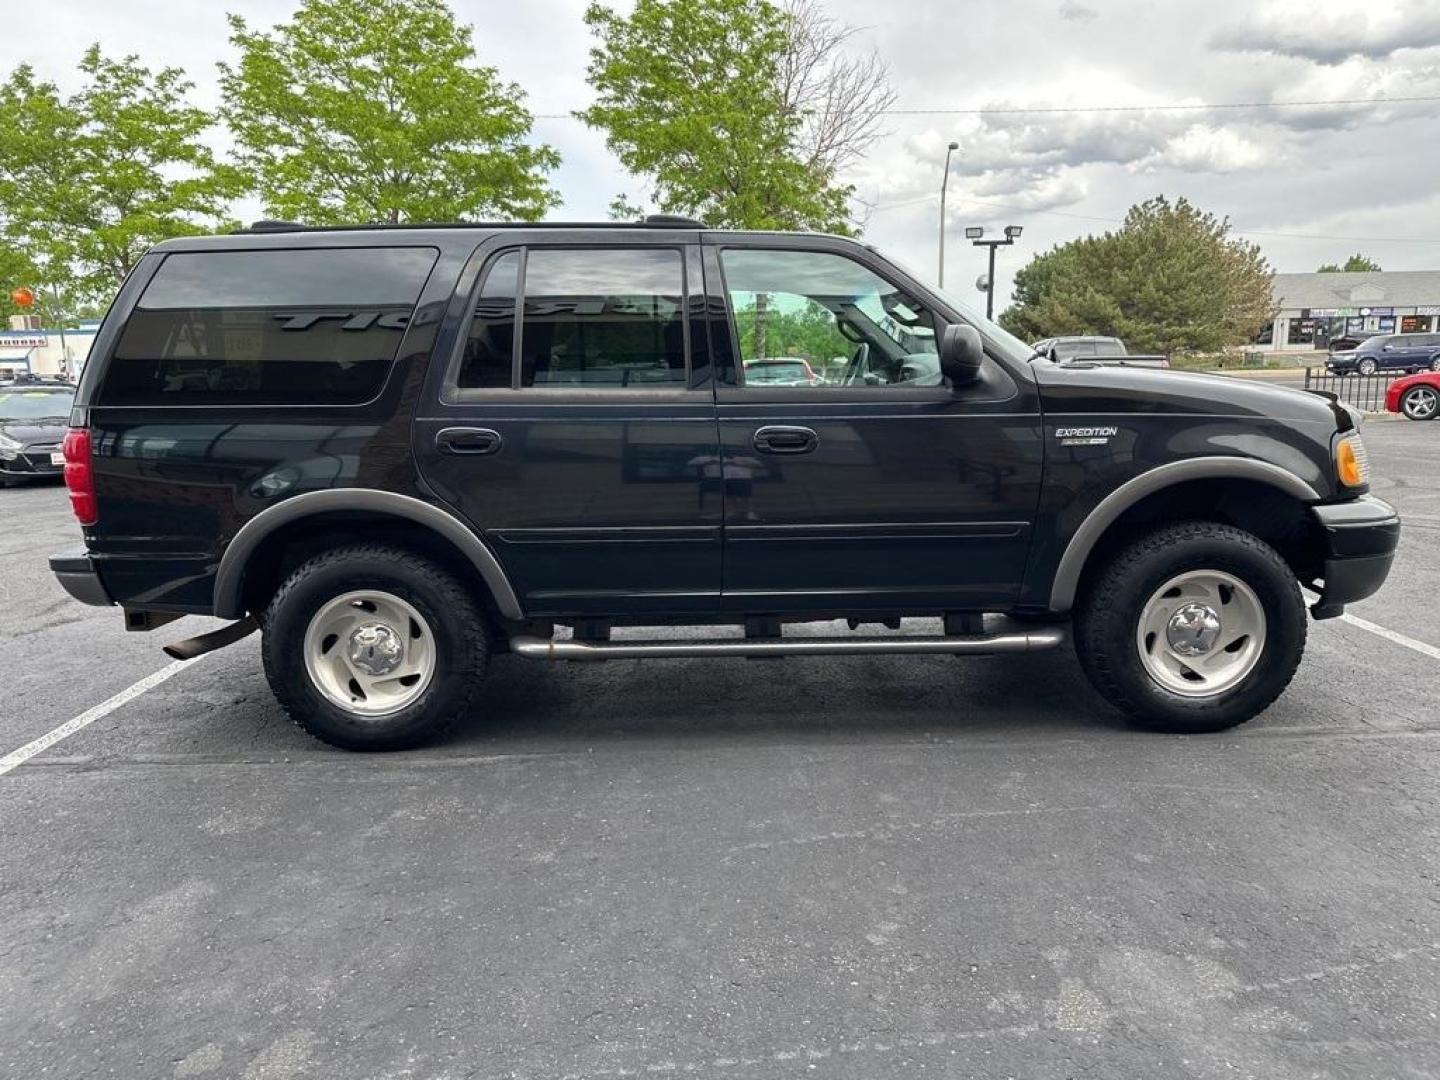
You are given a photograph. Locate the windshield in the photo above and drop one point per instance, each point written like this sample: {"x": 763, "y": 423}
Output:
{"x": 993, "y": 332}
{"x": 36, "y": 404}
{"x": 1374, "y": 342}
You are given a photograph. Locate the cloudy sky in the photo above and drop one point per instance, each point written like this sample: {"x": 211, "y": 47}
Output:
{"x": 1309, "y": 184}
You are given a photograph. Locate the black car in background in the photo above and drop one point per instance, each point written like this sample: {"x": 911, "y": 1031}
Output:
{"x": 1388, "y": 352}
{"x": 33, "y": 417}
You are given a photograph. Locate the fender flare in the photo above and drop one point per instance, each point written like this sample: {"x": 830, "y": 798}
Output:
{"x": 231, "y": 572}
{"x": 1082, "y": 543}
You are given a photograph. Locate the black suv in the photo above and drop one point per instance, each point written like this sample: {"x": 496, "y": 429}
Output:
{"x": 398, "y": 451}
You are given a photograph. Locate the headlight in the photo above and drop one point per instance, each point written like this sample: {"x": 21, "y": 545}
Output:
{"x": 1352, "y": 464}
{"x": 8, "y": 447}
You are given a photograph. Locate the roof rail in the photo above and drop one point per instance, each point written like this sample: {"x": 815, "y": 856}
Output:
{"x": 671, "y": 221}
{"x": 651, "y": 221}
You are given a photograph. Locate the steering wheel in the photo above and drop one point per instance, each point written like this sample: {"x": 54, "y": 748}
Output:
{"x": 859, "y": 364}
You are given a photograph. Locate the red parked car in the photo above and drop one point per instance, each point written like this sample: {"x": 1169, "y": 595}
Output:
{"x": 1416, "y": 396}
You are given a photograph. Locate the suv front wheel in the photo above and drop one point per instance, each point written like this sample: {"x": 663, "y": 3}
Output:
{"x": 1194, "y": 627}
{"x": 374, "y": 648}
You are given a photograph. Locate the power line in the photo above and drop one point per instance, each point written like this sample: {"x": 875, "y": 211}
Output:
{"x": 1238, "y": 230}
{"x": 1051, "y": 110}
{"x": 1023, "y": 110}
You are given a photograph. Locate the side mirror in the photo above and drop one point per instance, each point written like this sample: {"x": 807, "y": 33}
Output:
{"x": 961, "y": 354}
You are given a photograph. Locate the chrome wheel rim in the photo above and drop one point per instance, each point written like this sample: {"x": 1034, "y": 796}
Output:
{"x": 1367, "y": 367}
{"x": 1421, "y": 403}
{"x": 1201, "y": 633}
{"x": 369, "y": 652}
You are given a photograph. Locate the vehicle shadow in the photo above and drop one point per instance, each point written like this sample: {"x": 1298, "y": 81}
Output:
{"x": 911, "y": 697}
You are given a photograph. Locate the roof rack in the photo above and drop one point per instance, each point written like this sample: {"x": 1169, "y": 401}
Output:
{"x": 651, "y": 221}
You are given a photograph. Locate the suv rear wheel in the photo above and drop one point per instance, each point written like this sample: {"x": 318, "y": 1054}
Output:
{"x": 1194, "y": 627}
{"x": 374, "y": 648}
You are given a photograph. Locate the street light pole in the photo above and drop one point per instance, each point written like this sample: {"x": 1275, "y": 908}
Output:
{"x": 944, "y": 181}
{"x": 990, "y": 285}
{"x": 974, "y": 233}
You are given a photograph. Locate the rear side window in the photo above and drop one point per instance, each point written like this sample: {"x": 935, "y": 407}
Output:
{"x": 590, "y": 318}
{"x": 296, "y": 327}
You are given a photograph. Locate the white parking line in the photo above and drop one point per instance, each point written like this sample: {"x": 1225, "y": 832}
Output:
{"x": 18, "y": 757}
{"x": 1390, "y": 635}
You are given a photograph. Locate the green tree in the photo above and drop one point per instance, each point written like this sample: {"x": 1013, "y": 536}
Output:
{"x": 1170, "y": 279}
{"x": 89, "y": 182}
{"x": 1356, "y": 263}
{"x": 807, "y": 331}
{"x": 741, "y": 112}
{"x": 377, "y": 111}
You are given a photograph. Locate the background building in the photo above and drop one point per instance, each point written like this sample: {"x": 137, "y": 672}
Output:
{"x": 1317, "y": 308}
{"x": 46, "y": 351}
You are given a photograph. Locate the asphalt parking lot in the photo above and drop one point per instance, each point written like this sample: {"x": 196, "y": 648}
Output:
{"x": 820, "y": 867}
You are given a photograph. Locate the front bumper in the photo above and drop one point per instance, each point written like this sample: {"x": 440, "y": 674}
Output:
{"x": 1360, "y": 537}
{"x": 77, "y": 576}
{"x": 29, "y": 463}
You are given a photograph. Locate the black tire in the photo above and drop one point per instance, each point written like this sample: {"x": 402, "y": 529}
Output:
{"x": 1107, "y": 618}
{"x": 1409, "y": 404}
{"x": 1367, "y": 366}
{"x": 460, "y": 638}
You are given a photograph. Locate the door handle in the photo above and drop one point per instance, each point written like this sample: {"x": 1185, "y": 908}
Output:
{"x": 785, "y": 440}
{"x": 468, "y": 440}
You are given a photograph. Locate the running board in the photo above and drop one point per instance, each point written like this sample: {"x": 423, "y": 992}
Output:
{"x": 1035, "y": 639}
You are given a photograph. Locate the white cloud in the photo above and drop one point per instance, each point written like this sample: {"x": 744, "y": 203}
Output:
{"x": 1204, "y": 148}
{"x": 1301, "y": 29}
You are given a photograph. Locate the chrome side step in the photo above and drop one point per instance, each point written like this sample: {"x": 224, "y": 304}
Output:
{"x": 1033, "y": 639}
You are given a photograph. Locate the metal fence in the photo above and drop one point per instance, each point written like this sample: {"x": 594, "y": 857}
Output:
{"x": 1365, "y": 392}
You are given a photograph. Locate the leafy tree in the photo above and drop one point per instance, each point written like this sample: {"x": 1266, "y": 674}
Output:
{"x": 89, "y": 182}
{"x": 1356, "y": 263}
{"x": 806, "y": 331}
{"x": 740, "y": 112}
{"x": 1170, "y": 279}
{"x": 377, "y": 111}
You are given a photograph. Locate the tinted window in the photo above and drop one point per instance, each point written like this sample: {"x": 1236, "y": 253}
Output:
{"x": 489, "y": 348}
{"x": 608, "y": 318}
{"x": 267, "y": 327}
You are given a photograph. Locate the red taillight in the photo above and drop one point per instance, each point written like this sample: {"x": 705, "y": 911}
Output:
{"x": 79, "y": 479}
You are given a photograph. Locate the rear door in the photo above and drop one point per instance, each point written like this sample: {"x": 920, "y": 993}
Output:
{"x": 573, "y": 422}
{"x": 881, "y": 488}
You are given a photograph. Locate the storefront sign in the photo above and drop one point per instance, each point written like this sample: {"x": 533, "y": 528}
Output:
{"x": 1428, "y": 309}
{"x": 22, "y": 340}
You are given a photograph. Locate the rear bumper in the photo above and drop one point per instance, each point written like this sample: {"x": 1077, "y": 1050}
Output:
{"x": 1360, "y": 540}
{"x": 76, "y": 574}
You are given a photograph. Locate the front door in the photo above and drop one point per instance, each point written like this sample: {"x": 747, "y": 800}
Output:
{"x": 855, "y": 479}
{"x": 575, "y": 426}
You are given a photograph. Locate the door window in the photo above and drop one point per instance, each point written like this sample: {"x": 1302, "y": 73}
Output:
{"x": 603, "y": 319}
{"x": 590, "y": 319}
{"x": 813, "y": 319}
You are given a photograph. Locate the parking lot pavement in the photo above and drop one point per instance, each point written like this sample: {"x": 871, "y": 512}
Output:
{"x": 829, "y": 867}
